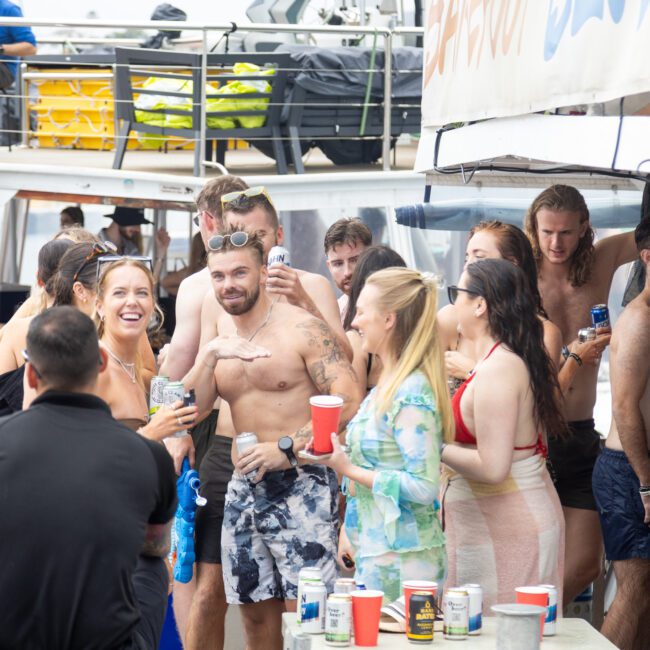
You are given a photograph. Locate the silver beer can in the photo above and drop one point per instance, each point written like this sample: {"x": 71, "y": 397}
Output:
{"x": 156, "y": 393}
{"x": 301, "y": 641}
{"x": 456, "y": 614}
{"x": 173, "y": 392}
{"x": 475, "y": 593}
{"x": 587, "y": 334}
{"x": 312, "y": 608}
{"x": 279, "y": 255}
{"x": 338, "y": 620}
{"x": 550, "y": 622}
{"x": 243, "y": 441}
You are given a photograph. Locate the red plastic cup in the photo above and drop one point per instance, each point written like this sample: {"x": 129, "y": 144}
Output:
{"x": 534, "y": 596}
{"x": 325, "y": 418}
{"x": 409, "y": 586}
{"x": 366, "y": 611}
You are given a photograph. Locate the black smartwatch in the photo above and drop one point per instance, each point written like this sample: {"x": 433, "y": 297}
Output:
{"x": 285, "y": 445}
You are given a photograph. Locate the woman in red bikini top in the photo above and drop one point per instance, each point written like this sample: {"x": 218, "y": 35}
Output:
{"x": 508, "y": 403}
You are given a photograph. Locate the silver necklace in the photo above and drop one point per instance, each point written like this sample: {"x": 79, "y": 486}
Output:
{"x": 129, "y": 368}
{"x": 266, "y": 320}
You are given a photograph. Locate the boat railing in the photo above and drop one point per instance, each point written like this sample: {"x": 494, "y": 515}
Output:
{"x": 203, "y": 39}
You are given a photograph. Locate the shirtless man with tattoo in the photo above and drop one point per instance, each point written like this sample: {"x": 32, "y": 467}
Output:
{"x": 269, "y": 358}
{"x": 574, "y": 275}
{"x": 622, "y": 473}
{"x": 307, "y": 290}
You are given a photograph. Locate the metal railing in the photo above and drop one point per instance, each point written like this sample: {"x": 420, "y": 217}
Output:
{"x": 387, "y": 34}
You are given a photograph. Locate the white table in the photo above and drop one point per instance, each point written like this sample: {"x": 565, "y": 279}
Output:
{"x": 572, "y": 634}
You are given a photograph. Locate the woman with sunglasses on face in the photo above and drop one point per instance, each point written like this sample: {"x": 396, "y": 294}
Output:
{"x": 493, "y": 240}
{"x": 391, "y": 525}
{"x": 124, "y": 307}
{"x": 503, "y": 520}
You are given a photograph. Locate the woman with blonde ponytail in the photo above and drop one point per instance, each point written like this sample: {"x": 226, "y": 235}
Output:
{"x": 391, "y": 525}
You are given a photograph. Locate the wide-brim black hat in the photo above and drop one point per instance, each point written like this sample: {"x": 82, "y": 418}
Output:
{"x": 124, "y": 216}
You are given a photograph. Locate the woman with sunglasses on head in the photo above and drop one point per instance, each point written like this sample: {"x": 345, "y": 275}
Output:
{"x": 125, "y": 305}
{"x": 367, "y": 366}
{"x": 503, "y": 520}
{"x": 391, "y": 525}
{"x": 493, "y": 240}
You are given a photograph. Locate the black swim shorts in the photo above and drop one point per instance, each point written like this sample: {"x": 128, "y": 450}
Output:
{"x": 616, "y": 488}
{"x": 202, "y": 435}
{"x": 215, "y": 472}
{"x": 572, "y": 463}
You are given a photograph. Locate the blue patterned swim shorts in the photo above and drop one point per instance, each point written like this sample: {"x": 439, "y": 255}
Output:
{"x": 274, "y": 528}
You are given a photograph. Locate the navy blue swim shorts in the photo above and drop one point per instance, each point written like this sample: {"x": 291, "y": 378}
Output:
{"x": 616, "y": 489}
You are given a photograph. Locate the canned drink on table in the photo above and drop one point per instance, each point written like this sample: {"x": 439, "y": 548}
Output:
{"x": 456, "y": 614}
{"x": 301, "y": 641}
{"x": 587, "y": 334}
{"x": 312, "y": 608}
{"x": 243, "y": 441}
{"x": 308, "y": 574}
{"x": 550, "y": 622}
{"x": 422, "y": 615}
{"x": 279, "y": 255}
{"x": 600, "y": 316}
{"x": 345, "y": 586}
{"x": 173, "y": 392}
{"x": 475, "y": 618}
{"x": 156, "y": 393}
{"x": 338, "y": 620}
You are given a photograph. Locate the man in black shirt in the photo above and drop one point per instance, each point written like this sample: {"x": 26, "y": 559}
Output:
{"x": 85, "y": 506}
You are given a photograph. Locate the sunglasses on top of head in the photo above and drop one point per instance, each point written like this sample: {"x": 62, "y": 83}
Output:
{"x": 232, "y": 197}
{"x": 238, "y": 238}
{"x": 108, "y": 259}
{"x": 453, "y": 291}
{"x": 98, "y": 249}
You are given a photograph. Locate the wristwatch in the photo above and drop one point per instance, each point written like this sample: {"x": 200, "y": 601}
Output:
{"x": 285, "y": 445}
{"x": 2, "y": 49}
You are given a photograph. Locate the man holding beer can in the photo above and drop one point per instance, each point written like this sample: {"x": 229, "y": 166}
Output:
{"x": 269, "y": 359}
{"x": 574, "y": 274}
{"x": 622, "y": 474}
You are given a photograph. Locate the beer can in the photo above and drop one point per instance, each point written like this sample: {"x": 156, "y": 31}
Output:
{"x": 338, "y": 620}
{"x": 173, "y": 392}
{"x": 301, "y": 641}
{"x": 422, "y": 615}
{"x": 345, "y": 586}
{"x": 308, "y": 574}
{"x": 279, "y": 255}
{"x": 156, "y": 392}
{"x": 600, "y": 316}
{"x": 243, "y": 441}
{"x": 312, "y": 607}
{"x": 550, "y": 622}
{"x": 456, "y": 614}
{"x": 475, "y": 618}
{"x": 587, "y": 334}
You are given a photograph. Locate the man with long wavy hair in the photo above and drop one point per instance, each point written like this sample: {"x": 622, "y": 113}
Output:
{"x": 573, "y": 275}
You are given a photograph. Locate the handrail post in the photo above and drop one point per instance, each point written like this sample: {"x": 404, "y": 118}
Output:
{"x": 388, "y": 104}
{"x": 204, "y": 81}
{"x": 22, "y": 86}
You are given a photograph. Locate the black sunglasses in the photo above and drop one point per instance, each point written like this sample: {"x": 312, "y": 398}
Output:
{"x": 107, "y": 259}
{"x": 97, "y": 250}
{"x": 452, "y": 292}
{"x": 238, "y": 239}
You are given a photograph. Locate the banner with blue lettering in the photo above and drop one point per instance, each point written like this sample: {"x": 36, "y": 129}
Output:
{"x": 497, "y": 58}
